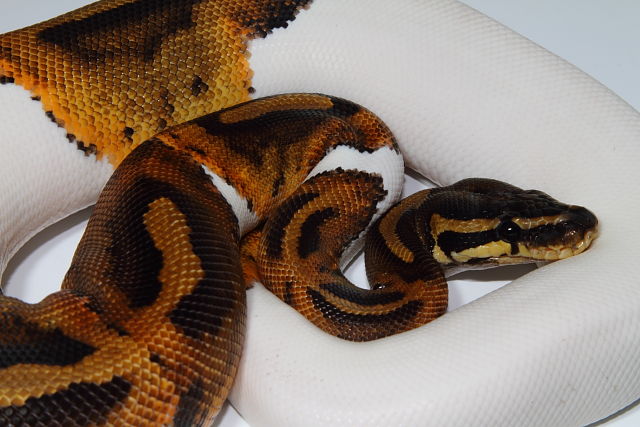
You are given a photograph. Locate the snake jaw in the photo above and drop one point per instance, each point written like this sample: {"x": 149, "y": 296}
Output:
{"x": 554, "y": 253}
{"x": 571, "y": 233}
{"x": 525, "y": 254}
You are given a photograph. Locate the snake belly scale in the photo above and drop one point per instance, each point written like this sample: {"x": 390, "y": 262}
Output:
{"x": 149, "y": 323}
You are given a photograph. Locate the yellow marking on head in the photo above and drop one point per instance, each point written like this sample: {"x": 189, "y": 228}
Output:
{"x": 529, "y": 223}
{"x": 489, "y": 250}
{"x": 440, "y": 224}
{"x": 439, "y": 255}
{"x": 257, "y": 108}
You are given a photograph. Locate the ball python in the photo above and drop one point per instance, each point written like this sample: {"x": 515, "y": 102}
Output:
{"x": 548, "y": 92}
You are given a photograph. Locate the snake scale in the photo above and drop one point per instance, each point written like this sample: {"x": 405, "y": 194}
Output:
{"x": 148, "y": 327}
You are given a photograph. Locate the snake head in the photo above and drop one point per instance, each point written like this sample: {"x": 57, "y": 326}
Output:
{"x": 482, "y": 222}
{"x": 553, "y": 237}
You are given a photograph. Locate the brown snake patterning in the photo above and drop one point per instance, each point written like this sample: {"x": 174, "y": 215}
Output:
{"x": 150, "y": 317}
{"x": 149, "y": 324}
{"x": 117, "y": 72}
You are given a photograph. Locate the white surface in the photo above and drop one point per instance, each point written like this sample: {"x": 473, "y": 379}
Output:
{"x": 599, "y": 36}
{"x": 465, "y": 96}
{"x": 38, "y": 144}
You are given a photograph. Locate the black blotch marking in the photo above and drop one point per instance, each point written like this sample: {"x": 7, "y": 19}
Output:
{"x": 216, "y": 295}
{"x": 398, "y": 317}
{"x": 51, "y": 117}
{"x": 194, "y": 149}
{"x": 252, "y": 90}
{"x": 515, "y": 249}
{"x": 451, "y": 241}
{"x": 343, "y": 108}
{"x": 198, "y": 86}
{"x": 86, "y": 149}
{"x": 155, "y": 358}
{"x": 78, "y": 404}
{"x": 162, "y": 123}
{"x": 288, "y": 295}
{"x": 189, "y": 412}
{"x": 277, "y": 184}
{"x": 36, "y": 98}
{"x": 250, "y": 204}
{"x": 5, "y": 80}
{"x": 33, "y": 344}
{"x": 119, "y": 330}
{"x": 79, "y": 36}
{"x": 281, "y": 219}
{"x": 128, "y": 132}
{"x": 309, "y": 239}
{"x": 90, "y": 303}
{"x": 276, "y": 14}
{"x": 362, "y": 296}
{"x": 135, "y": 261}
{"x": 254, "y": 137}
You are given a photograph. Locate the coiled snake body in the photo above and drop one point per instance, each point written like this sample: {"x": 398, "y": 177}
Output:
{"x": 148, "y": 326}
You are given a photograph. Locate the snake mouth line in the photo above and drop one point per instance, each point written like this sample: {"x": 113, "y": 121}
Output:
{"x": 480, "y": 258}
{"x": 550, "y": 253}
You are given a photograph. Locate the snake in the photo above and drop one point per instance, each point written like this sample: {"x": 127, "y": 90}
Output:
{"x": 139, "y": 107}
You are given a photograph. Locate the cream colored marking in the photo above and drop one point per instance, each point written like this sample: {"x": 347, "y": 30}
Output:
{"x": 489, "y": 250}
{"x": 500, "y": 252}
{"x": 439, "y": 255}
{"x": 441, "y": 224}
{"x": 529, "y": 223}
{"x": 259, "y": 107}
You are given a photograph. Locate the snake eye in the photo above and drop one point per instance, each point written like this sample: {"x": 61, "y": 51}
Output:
{"x": 508, "y": 231}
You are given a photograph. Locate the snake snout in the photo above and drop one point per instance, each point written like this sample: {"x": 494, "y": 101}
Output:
{"x": 579, "y": 227}
{"x": 570, "y": 234}
{"x": 582, "y": 217}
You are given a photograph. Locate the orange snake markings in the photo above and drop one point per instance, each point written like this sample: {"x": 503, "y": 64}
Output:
{"x": 149, "y": 324}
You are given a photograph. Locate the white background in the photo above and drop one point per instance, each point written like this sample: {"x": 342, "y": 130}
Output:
{"x": 602, "y": 37}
